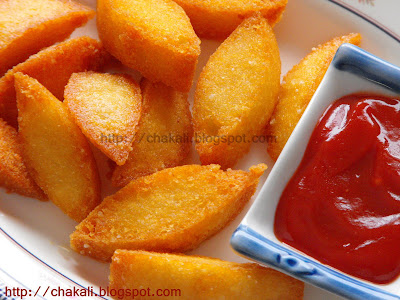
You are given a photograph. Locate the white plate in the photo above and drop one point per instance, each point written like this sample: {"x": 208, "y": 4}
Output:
{"x": 41, "y": 229}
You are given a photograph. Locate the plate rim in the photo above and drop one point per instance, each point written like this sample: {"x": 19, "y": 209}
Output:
{"x": 367, "y": 18}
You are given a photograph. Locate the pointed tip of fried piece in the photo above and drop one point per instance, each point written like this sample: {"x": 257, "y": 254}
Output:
{"x": 217, "y": 19}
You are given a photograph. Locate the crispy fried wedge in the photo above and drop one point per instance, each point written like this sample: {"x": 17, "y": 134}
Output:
{"x": 172, "y": 210}
{"x": 217, "y": 19}
{"x": 28, "y": 26}
{"x": 154, "y": 37}
{"x": 55, "y": 150}
{"x": 52, "y": 67}
{"x": 164, "y": 136}
{"x": 298, "y": 87}
{"x": 236, "y": 93}
{"x": 107, "y": 108}
{"x": 194, "y": 277}
{"x": 13, "y": 173}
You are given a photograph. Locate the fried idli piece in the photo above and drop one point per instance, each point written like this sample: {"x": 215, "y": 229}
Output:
{"x": 107, "y": 108}
{"x": 52, "y": 67}
{"x": 195, "y": 277}
{"x": 28, "y": 26}
{"x": 236, "y": 93}
{"x": 55, "y": 151}
{"x": 217, "y": 19}
{"x": 164, "y": 136}
{"x": 13, "y": 173}
{"x": 173, "y": 210}
{"x": 154, "y": 37}
{"x": 298, "y": 87}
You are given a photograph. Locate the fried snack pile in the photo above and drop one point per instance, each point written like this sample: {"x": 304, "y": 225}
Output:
{"x": 217, "y": 19}
{"x": 52, "y": 67}
{"x": 55, "y": 150}
{"x": 107, "y": 108}
{"x": 198, "y": 278}
{"x": 13, "y": 173}
{"x": 165, "y": 115}
{"x": 298, "y": 87}
{"x": 154, "y": 37}
{"x": 173, "y": 210}
{"x": 237, "y": 92}
{"x": 24, "y": 31}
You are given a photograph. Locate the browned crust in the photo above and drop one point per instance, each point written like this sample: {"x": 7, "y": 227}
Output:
{"x": 13, "y": 173}
{"x": 156, "y": 58}
{"x": 27, "y": 39}
{"x": 52, "y": 67}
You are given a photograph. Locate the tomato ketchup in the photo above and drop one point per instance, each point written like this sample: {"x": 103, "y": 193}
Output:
{"x": 342, "y": 205}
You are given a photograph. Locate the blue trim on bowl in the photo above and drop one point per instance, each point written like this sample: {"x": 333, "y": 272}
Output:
{"x": 251, "y": 244}
{"x": 352, "y": 59}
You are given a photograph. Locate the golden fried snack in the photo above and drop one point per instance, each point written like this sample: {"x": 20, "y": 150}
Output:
{"x": 55, "y": 150}
{"x": 173, "y": 210}
{"x": 236, "y": 93}
{"x": 197, "y": 278}
{"x": 164, "y": 136}
{"x": 52, "y": 67}
{"x": 298, "y": 87}
{"x": 28, "y": 26}
{"x": 154, "y": 37}
{"x": 13, "y": 173}
{"x": 107, "y": 108}
{"x": 217, "y": 19}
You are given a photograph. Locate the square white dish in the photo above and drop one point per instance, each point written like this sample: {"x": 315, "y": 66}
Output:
{"x": 352, "y": 71}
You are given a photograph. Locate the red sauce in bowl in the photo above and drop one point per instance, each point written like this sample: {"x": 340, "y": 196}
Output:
{"x": 342, "y": 205}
